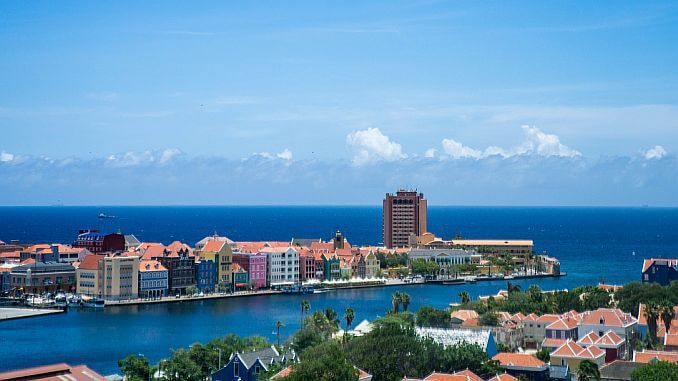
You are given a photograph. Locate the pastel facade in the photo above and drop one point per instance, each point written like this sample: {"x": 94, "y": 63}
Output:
{"x": 372, "y": 265}
{"x": 255, "y": 264}
{"x": 119, "y": 277}
{"x": 220, "y": 253}
{"x": 38, "y": 277}
{"x": 282, "y": 265}
{"x": 153, "y": 279}
{"x": 659, "y": 270}
{"x": 445, "y": 258}
{"x": 206, "y": 275}
{"x": 571, "y": 354}
{"x": 87, "y": 275}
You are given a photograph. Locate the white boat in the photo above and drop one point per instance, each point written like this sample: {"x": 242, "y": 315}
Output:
{"x": 39, "y": 301}
{"x": 92, "y": 302}
{"x": 60, "y": 300}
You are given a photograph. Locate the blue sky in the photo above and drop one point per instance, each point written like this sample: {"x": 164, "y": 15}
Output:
{"x": 555, "y": 103}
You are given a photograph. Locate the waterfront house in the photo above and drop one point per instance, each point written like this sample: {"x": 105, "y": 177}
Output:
{"x": 307, "y": 269}
{"x": 331, "y": 266}
{"x": 97, "y": 242}
{"x": 215, "y": 237}
{"x": 571, "y": 354}
{"x": 5, "y": 277}
{"x": 119, "y": 277}
{"x": 39, "y": 277}
{"x": 153, "y": 279}
{"x": 255, "y": 265}
{"x": 241, "y": 279}
{"x": 87, "y": 276}
{"x": 448, "y": 337}
{"x": 345, "y": 270}
{"x": 660, "y": 270}
{"x": 54, "y": 253}
{"x": 372, "y": 265}
{"x": 247, "y": 366}
{"x": 523, "y": 365}
{"x": 282, "y": 265}
{"x": 358, "y": 266}
{"x": 52, "y": 372}
{"x": 205, "y": 274}
{"x": 613, "y": 345}
{"x": 178, "y": 259}
{"x": 221, "y": 253}
{"x": 446, "y": 259}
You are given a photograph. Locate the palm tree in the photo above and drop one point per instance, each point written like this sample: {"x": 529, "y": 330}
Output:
{"x": 587, "y": 371}
{"x": 305, "y": 307}
{"x": 666, "y": 314}
{"x": 651, "y": 312}
{"x": 465, "y": 297}
{"x": 405, "y": 300}
{"x": 331, "y": 316}
{"x": 279, "y": 325}
{"x": 396, "y": 298}
{"x": 349, "y": 315}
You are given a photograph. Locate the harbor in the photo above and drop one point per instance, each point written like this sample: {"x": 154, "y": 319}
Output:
{"x": 12, "y": 313}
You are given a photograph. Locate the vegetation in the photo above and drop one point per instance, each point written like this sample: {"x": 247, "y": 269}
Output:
{"x": 587, "y": 371}
{"x": 543, "y": 355}
{"x": 431, "y": 317}
{"x": 634, "y": 293}
{"x": 135, "y": 367}
{"x": 489, "y": 319}
{"x": 656, "y": 371}
{"x": 423, "y": 267}
{"x": 325, "y": 361}
{"x": 399, "y": 299}
{"x": 464, "y": 297}
{"x": 278, "y": 325}
{"x": 316, "y": 329}
{"x": 389, "y": 261}
{"x": 305, "y": 307}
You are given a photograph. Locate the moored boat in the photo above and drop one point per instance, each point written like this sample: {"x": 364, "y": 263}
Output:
{"x": 92, "y": 302}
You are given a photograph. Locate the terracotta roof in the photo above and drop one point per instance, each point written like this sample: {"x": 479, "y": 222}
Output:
{"x": 464, "y": 315}
{"x": 552, "y": 343}
{"x": 590, "y": 339}
{"x": 611, "y": 317}
{"x": 518, "y": 360}
{"x": 609, "y": 339}
{"x": 563, "y": 323}
{"x": 153, "y": 251}
{"x": 91, "y": 262}
{"x": 464, "y": 375}
{"x": 11, "y": 254}
{"x": 214, "y": 246}
{"x": 548, "y": 318}
{"x": 28, "y": 261}
{"x": 503, "y": 377}
{"x": 572, "y": 349}
{"x": 647, "y": 356}
{"x": 660, "y": 261}
{"x": 531, "y": 317}
{"x": 151, "y": 265}
{"x": 54, "y": 372}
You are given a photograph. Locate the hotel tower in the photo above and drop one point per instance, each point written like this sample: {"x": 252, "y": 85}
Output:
{"x": 404, "y": 214}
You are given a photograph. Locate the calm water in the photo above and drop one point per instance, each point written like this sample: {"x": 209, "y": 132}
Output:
{"x": 590, "y": 242}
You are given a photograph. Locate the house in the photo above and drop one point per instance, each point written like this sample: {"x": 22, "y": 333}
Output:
{"x": 39, "y": 277}
{"x": 153, "y": 279}
{"x": 358, "y": 266}
{"x": 87, "y": 276}
{"x": 523, "y": 365}
{"x": 205, "y": 274}
{"x": 463, "y": 375}
{"x": 255, "y": 265}
{"x": 307, "y": 270}
{"x": 660, "y": 270}
{"x": 331, "y": 266}
{"x": 241, "y": 278}
{"x": 565, "y": 328}
{"x": 446, "y": 259}
{"x": 448, "y": 337}
{"x": 52, "y": 372}
{"x": 534, "y": 328}
{"x": 214, "y": 237}
{"x": 571, "y": 354}
{"x": 219, "y": 251}
{"x": 613, "y": 345}
{"x": 372, "y": 265}
{"x": 98, "y": 242}
{"x": 282, "y": 265}
{"x": 648, "y": 356}
{"x": 460, "y": 317}
{"x": 178, "y": 259}
{"x": 603, "y": 320}
{"x": 247, "y": 366}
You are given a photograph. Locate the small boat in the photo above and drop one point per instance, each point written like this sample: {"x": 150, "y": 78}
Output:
{"x": 102, "y": 215}
{"x": 454, "y": 282}
{"x": 508, "y": 277}
{"x": 92, "y": 302}
{"x": 39, "y": 301}
{"x": 470, "y": 279}
{"x": 60, "y": 300}
{"x": 301, "y": 290}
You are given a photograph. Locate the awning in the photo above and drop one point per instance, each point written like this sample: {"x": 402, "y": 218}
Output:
{"x": 241, "y": 284}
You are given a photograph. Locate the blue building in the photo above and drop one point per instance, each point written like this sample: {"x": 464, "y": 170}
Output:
{"x": 206, "y": 275}
{"x": 248, "y": 366}
{"x": 661, "y": 271}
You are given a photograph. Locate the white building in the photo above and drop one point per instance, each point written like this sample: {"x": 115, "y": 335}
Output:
{"x": 445, "y": 258}
{"x": 282, "y": 265}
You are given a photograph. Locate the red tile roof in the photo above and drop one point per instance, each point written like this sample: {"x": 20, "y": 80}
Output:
{"x": 574, "y": 350}
{"x": 214, "y": 246}
{"x": 553, "y": 343}
{"x": 671, "y": 340}
{"x": 91, "y": 262}
{"x": 518, "y": 360}
{"x": 647, "y": 356}
{"x": 503, "y": 377}
{"x": 661, "y": 261}
{"x": 54, "y": 372}
{"x": 464, "y": 375}
{"x": 151, "y": 265}
{"x": 611, "y": 317}
{"x": 566, "y": 323}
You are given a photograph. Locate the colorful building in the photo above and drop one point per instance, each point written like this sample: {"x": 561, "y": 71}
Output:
{"x": 97, "y": 242}
{"x": 87, "y": 275}
{"x": 282, "y": 265}
{"x": 153, "y": 279}
{"x": 220, "y": 252}
{"x": 241, "y": 279}
{"x": 119, "y": 277}
{"x": 660, "y": 270}
{"x": 38, "y": 277}
{"x": 206, "y": 274}
{"x": 331, "y": 266}
{"x": 255, "y": 264}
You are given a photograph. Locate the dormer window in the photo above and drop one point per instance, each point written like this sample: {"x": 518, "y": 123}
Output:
{"x": 602, "y": 321}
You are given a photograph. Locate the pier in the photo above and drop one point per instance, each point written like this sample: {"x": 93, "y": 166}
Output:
{"x": 11, "y": 313}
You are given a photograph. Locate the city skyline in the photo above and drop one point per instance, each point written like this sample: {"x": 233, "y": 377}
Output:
{"x": 546, "y": 104}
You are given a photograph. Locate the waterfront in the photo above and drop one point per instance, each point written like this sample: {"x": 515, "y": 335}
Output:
{"x": 99, "y": 338}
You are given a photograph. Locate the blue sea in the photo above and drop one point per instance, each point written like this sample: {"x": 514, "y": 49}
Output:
{"x": 591, "y": 243}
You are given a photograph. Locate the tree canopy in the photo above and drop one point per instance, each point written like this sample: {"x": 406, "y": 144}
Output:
{"x": 657, "y": 371}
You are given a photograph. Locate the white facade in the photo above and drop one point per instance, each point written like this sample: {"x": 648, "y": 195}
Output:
{"x": 282, "y": 265}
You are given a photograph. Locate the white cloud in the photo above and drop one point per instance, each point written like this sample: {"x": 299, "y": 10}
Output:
{"x": 6, "y": 157}
{"x": 372, "y": 145}
{"x": 431, "y": 152}
{"x": 456, "y": 150}
{"x": 285, "y": 154}
{"x": 536, "y": 143}
{"x": 168, "y": 154}
{"x": 130, "y": 159}
{"x": 655, "y": 153}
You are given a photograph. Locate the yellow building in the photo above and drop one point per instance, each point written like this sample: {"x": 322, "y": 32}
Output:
{"x": 87, "y": 276}
{"x": 119, "y": 277}
{"x": 220, "y": 252}
{"x": 372, "y": 265}
{"x": 571, "y": 354}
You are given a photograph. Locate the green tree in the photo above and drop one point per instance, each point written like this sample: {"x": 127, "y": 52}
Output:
{"x": 534, "y": 291}
{"x": 489, "y": 319}
{"x": 135, "y": 367}
{"x": 656, "y": 371}
{"x": 405, "y": 300}
{"x": 651, "y": 312}
{"x": 431, "y": 317}
{"x": 349, "y": 315}
{"x": 464, "y": 297}
{"x": 191, "y": 290}
{"x": 543, "y": 355}
{"x": 665, "y": 310}
{"x": 396, "y": 300}
{"x": 324, "y": 362}
{"x": 332, "y": 317}
{"x": 587, "y": 371}
{"x": 305, "y": 307}
{"x": 278, "y": 325}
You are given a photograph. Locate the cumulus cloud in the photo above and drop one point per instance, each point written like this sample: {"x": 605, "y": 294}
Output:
{"x": 371, "y": 145}
{"x": 6, "y": 157}
{"x": 431, "y": 152}
{"x": 536, "y": 142}
{"x": 169, "y": 154}
{"x": 134, "y": 158}
{"x": 285, "y": 155}
{"x": 655, "y": 153}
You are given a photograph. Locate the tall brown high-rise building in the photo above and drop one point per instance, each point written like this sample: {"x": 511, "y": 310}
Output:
{"x": 404, "y": 214}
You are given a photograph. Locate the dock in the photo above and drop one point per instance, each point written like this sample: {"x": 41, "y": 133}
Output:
{"x": 11, "y": 313}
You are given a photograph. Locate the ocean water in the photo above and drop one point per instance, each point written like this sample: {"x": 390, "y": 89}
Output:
{"x": 591, "y": 243}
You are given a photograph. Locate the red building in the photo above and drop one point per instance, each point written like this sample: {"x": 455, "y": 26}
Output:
{"x": 404, "y": 215}
{"x": 97, "y": 242}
